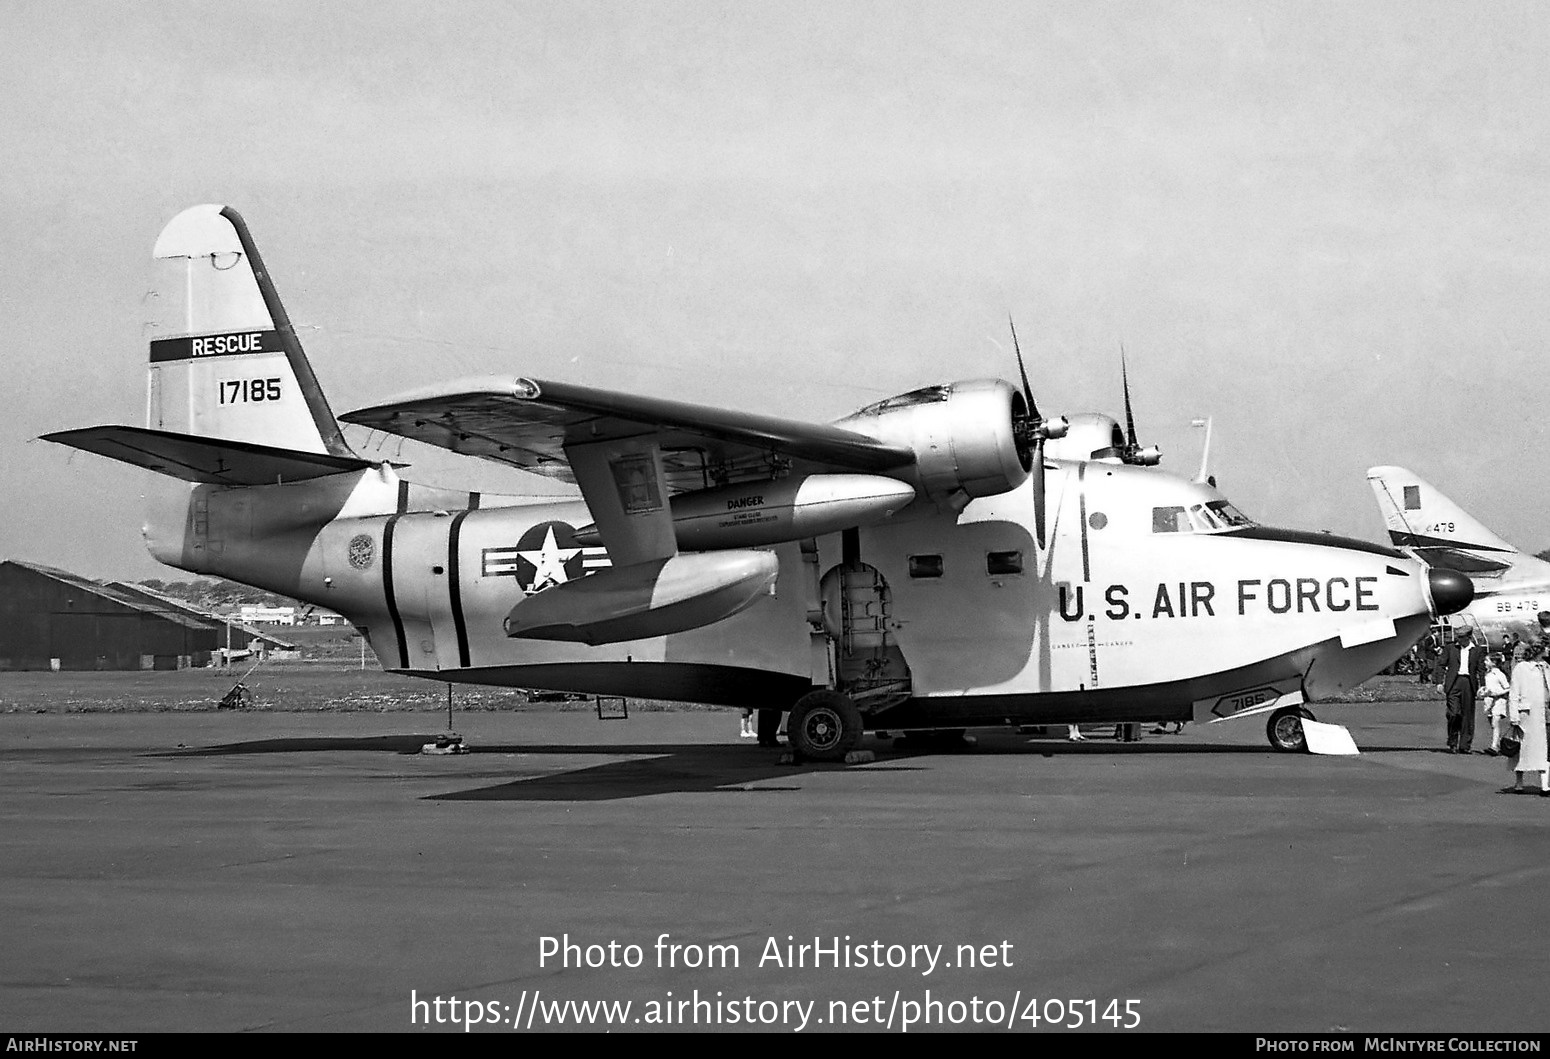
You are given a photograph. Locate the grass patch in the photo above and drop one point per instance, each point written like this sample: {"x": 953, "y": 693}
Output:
{"x": 280, "y": 687}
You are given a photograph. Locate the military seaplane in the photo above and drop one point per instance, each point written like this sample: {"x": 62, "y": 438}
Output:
{"x": 945, "y": 558}
{"x": 1512, "y": 589}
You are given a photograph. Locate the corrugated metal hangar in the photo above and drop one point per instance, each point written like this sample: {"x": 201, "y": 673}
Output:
{"x": 51, "y": 619}
{"x": 238, "y": 636}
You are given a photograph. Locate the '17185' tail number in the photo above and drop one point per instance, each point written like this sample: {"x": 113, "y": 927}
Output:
{"x": 241, "y": 391}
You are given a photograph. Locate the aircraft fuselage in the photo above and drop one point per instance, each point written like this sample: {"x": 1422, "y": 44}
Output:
{"x": 1107, "y": 623}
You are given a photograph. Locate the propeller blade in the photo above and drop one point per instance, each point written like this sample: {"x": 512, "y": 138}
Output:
{"x": 1033, "y": 426}
{"x": 1033, "y": 410}
{"x": 1035, "y": 423}
{"x": 1130, "y": 419}
{"x": 1038, "y": 491}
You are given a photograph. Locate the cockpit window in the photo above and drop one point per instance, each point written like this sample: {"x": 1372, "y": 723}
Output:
{"x": 1228, "y": 514}
{"x": 924, "y": 395}
{"x": 1204, "y": 520}
{"x": 1214, "y": 517}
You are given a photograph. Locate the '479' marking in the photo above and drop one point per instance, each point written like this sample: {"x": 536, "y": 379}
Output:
{"x": 244, "y": 391}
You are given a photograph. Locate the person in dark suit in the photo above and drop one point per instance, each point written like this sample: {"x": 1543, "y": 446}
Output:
{"x": 1426, "y": 657}
{"x": 1463, "y": 672}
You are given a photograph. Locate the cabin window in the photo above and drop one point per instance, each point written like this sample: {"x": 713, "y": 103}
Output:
{"x": 925, "y": 566}
{"x": 1170, "y": 520}
{"x": 1003, "y": 564}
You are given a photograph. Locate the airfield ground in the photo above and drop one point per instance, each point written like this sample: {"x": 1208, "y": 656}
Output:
{"x": 297, "y": 866}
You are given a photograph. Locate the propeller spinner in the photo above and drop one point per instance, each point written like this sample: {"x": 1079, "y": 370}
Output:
{"x": 1031, "y": 431}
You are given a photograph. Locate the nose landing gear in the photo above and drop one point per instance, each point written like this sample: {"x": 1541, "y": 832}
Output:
{"x": 1285, "y": 729}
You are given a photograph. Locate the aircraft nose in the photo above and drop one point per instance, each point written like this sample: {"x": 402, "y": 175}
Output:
{"x": 1451, "y": 590}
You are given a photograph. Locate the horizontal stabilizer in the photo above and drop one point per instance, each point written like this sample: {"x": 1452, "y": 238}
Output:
{"x": 209, "y": 460}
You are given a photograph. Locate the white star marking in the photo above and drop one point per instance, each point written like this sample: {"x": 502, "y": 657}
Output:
{"x": 549, "y": 562}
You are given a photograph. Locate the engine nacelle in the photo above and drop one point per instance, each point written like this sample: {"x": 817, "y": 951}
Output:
{"x": 751, "y": 514}
{"x": 1090, "y": 436}
{"x": 1095, "y": 436}
{"x": 961, "y": 433}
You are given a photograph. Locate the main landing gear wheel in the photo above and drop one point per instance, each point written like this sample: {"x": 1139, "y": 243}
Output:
{"x": 1285, "y": 729}
{"x": 823, "y": 726}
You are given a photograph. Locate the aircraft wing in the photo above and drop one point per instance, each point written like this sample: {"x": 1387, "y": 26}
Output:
{"x": 628, "y": 453}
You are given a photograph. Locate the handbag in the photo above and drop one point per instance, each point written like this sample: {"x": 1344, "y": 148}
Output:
{"x": 1512, "y": 743}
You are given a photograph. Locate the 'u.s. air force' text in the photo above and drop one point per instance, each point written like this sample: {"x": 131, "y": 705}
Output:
{"x": 1197, "y": 599}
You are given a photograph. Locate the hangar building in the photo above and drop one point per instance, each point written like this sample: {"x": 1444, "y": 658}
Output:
{"x": 238, "y": 636}
{"x": 50, "y": 619}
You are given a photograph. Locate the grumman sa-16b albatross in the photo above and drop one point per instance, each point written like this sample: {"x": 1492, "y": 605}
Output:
{"x": 943, "y": 559}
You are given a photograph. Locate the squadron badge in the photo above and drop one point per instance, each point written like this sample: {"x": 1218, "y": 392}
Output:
{"x": 362, "y": 551}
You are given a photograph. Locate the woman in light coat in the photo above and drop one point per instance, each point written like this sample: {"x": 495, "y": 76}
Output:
{"x": 1526, "y": 710}
{"x": 1494, "y": 700}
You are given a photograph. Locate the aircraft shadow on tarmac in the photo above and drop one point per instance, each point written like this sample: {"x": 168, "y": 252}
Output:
{"x": 654, "y": 768}
{"x": 658, "y": 768}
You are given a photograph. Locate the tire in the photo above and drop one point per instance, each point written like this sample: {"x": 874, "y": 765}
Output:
{"x": 1284, "y": 729}
{"x": 824, "y": 726}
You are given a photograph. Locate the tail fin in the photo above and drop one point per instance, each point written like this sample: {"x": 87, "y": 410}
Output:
{"x": 1425, "y": 522}
{"x": 225, "y": 362}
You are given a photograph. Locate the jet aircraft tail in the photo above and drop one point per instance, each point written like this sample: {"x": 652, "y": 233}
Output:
{"x": 1425, "y": 522}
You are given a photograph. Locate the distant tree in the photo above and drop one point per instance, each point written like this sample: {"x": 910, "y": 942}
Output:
{"x": 1545, "y": 555}
{"x": 176, "y": 589}
{"x": 217, "y": 594}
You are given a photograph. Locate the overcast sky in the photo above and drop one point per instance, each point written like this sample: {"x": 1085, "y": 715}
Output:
{"x": 1325, "y": 225}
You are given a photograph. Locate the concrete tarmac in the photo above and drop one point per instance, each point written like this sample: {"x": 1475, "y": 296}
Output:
{"x": 203, "y": 871}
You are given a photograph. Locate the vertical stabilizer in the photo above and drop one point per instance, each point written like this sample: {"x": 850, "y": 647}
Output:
{"x": 1425, "y": 522}
{"x": 225, "y": 361}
